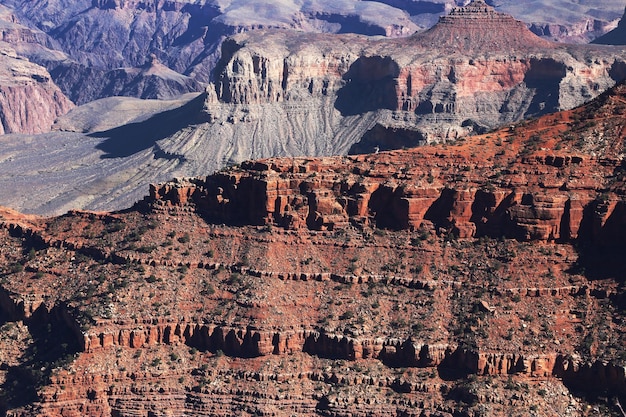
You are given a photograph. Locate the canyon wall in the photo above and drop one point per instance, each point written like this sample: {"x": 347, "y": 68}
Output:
{"x": 475, "y": 70}
{"x": 311, "y": 194}
{"x": 220, "y": 347}
{"x": 186, "y": 36}
{"x": 30, "y": 102}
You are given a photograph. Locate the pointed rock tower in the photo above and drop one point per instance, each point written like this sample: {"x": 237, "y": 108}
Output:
{"x": 478, "y": 27}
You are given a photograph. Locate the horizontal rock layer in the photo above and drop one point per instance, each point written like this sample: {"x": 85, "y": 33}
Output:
{"x": 313, "y": 194}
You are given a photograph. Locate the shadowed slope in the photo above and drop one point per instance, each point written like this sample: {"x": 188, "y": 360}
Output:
{"x": 132, "y": 138}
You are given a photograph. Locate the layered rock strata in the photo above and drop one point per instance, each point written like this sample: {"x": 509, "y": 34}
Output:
{"x": 475, "y": 70}
{"x": 286, "y": 94}
{"x": 440, "y": 280}
{"x": 556, "y": 179}
{"x": 159, "y": 309}
{"x": 30, "y": 102}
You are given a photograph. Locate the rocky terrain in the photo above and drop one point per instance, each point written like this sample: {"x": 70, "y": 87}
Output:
{"x": 615, "y": 37}
{"x": 29, "y": 100}
{"x": 481, "y": 278}
{"x": 476, "y": 69}
{"x": 91, "y": 39}
{"x": 100, "y": 155}
{"x": 565, "y": 21}
{"x": 276, "y": 93}
{"x": 96, "y": 49}
{"x": 471, "y": 276}
{"x": 85, "y": 80}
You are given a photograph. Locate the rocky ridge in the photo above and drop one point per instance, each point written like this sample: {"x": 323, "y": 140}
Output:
{"x": 317, "y": 194}
{"x": 481, "y": 278}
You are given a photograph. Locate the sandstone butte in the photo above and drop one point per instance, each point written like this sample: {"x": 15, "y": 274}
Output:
{"x": 484, "y": 278}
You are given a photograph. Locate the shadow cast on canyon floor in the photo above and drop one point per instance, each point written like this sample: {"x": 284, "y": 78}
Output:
{"x": 127, "y": 140}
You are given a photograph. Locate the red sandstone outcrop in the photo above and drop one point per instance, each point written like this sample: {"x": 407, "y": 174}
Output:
{"x": 533, "y": 193}
{"x": 203, "y": 331}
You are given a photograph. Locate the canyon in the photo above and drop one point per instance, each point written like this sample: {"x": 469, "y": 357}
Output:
{"x": 290, "y": 223}
{"x": 478, "y": 278}
{"x": 280, "y": 93}
{"x": 97, "y": 49}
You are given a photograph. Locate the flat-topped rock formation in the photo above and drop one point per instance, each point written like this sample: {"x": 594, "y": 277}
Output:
{"x": 476, "y": 12}
{"x": 457, "y": 78}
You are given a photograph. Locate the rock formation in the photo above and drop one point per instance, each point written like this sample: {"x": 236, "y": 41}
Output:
{"x": 29, "y": 101}
{"x": 475, "y": 70}
{"x": 567, "y": 21}
{"x": 615, "y": 37}
{"x": 186, "y": 36}
{"x": 277, "y": 93}
{"x": 528, "y": 195}
{"x": 479, "y": 278}
{"x": 150, "y": 81}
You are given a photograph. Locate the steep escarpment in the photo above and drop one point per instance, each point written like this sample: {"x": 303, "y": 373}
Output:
{"x": 30, "y": 101}
{"x": 277, "y": 93}
{"x": 344, "y": 327}
{"x": 554, "y": 179}
{"x": 480, "y": 277}
{"x": 186, "y": 36}
{"x": 476, "y": 69}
